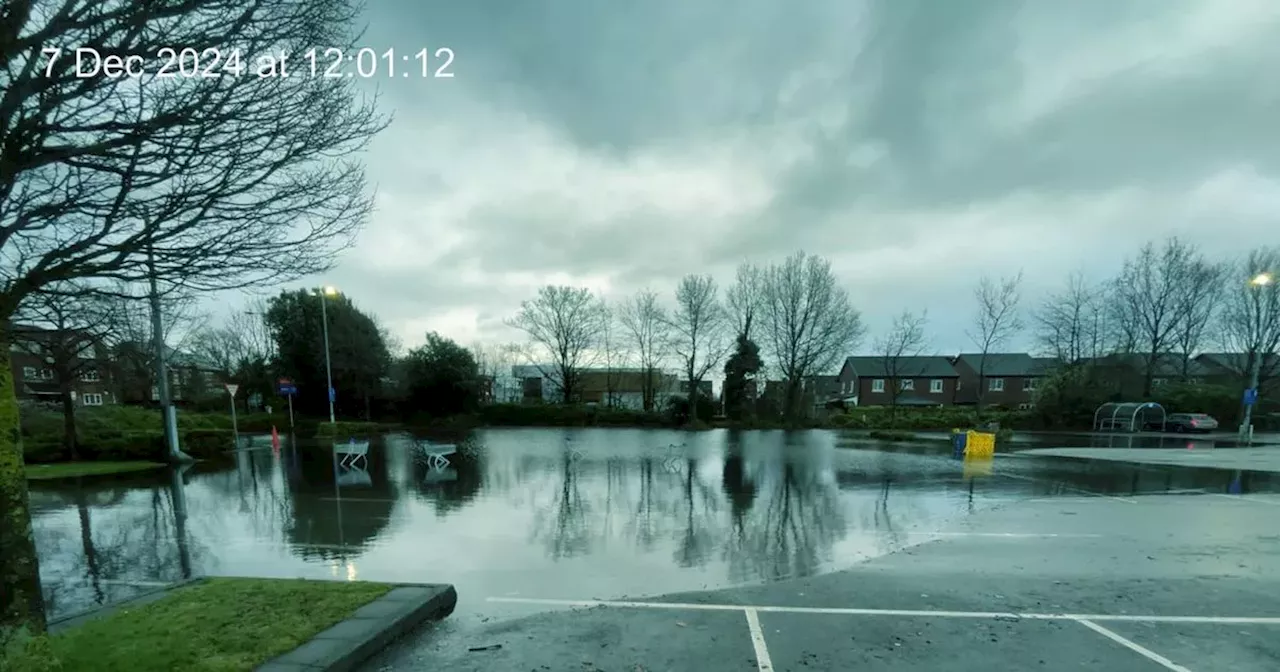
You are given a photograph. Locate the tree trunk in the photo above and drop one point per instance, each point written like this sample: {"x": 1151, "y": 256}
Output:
{"x": 69, "y": 422}
{"x": 21, "y": 603}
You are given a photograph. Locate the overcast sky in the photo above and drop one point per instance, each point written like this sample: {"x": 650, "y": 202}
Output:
{"x": 917, "y": 144}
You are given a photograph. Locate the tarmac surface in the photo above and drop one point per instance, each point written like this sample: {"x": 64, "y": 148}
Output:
{"x": 1244, "y": 459}
{"x": 1163, "y": 582}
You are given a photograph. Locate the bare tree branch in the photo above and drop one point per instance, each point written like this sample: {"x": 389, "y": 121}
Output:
{"x": 1148, "y": 299}
{"x": 1071, "y": 324}
{"x": 809, "y": 325}
{"x": 996, "y": 321}
{"x": 1249, "y": 322}
{"x": 567, "y": 323}
{"x": 904, "y": 341}
{"x": 699, "y": 331}
{"x": 647, "y": 325}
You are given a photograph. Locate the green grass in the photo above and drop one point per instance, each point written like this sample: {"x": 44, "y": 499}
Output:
{"x": 41, "y": 472}
{"x": 216, "y": 625}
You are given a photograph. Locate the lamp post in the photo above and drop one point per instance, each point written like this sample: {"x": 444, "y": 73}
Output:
{"x": 325, "y": 292}
{"x": 1256, "y": 283}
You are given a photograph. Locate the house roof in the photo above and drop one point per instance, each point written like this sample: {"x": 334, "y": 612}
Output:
{"x": 921, "y": 366}
{"x": 1233, "y": 362}
{"x": 1167, "y": 364}
{"x": 999, "y": 364}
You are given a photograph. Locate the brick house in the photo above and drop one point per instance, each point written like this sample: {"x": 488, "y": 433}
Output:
{"x": 32, "y": 361}
{"x": 924, "y": 380}
{"x": 1125, "y": 372}
{"x": 1234, "y": 369}
{"x": 616, "y": 387}
{"x": 1008, "y": 379}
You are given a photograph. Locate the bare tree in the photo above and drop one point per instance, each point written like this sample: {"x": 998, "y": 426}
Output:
{"x": 1196, "y": 305}
{"x": 996, "y": 321}
{"x": 745, "y": 298}
{"x": 646, "y": 324}
{"x": 67, "y": 330}
{"x": 1070, "y": 324}
{"x": 808, "y": 322}
{"x": 699, "y": 334}
{"x": 899, "y": 347}
{"x": 1147, "y": 297}
{"x": 614, "y": 355}
{"x": 567, "y": 324}
{"x": 203, "y": 181}
{"x": 133, "y": 348}
{"x": 1249, "y": 322}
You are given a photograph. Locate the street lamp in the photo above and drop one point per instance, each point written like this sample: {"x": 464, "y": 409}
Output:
{"x": 1256, "y": 283}
{"x": 323, "y": 293}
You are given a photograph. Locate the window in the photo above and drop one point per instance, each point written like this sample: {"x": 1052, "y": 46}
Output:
{"x": 92, "y": 399}
{"x": 877, "y": 385}
{"x": 846, "y": 387}
{"x": 906, "y": 384}
{"x": 46, "y": 374}
{"x": 90, "y": 376}
{"x": 1026, "y": 407}
{"x": 935, "y": 386}
{"x": 29, "y": 372}
{"x": 995, "y": 385}
{"x": 1028, "y": 384}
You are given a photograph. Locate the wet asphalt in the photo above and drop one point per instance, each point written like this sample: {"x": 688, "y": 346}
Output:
{"x": 1070, "y": 583}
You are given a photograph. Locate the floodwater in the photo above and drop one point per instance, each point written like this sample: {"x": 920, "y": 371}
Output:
{"x": 572, "y": 513}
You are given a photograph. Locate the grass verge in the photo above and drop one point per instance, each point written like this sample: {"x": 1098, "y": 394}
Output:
{"x": 41, "y": 472}
{"x": 892, "y": 435}
{"x": 215, "y": 625}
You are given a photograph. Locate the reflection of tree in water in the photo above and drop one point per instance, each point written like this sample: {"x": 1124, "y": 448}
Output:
{"x": 701, "y": 531}
{"x": 740, "y": 491}
{"x": 125, "y": 535}
{"x": 792, "y": 527}
{"x": 570, "y": 536}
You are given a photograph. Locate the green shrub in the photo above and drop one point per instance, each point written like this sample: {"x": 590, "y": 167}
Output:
{"x": 343, "y": 428}
{"x": 892, "y": 435}
{"x": 556, "y": 415}
{"x": 22, "y": 652}
{"x": 206, "y": 443}
{"x": 932, "y": 418}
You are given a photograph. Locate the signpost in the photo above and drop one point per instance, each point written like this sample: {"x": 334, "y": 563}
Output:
{"x": 235, "y": 427}
{"x": 288, "y": 389}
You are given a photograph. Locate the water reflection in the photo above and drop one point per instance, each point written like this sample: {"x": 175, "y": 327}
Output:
{"x": 540, "y": 512}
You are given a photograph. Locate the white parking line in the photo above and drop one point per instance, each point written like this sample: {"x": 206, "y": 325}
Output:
{"x": 1067, "y": 487}
{"x": 1132, "y": 646}
{"x": 1005, "y": 535}
{"x": 923, "y": 613}
{"x": 1246, "y": 498}
{"x": 763, "y": 662}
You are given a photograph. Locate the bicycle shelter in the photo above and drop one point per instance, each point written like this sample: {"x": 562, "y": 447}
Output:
{"x": 1128, "y": 416}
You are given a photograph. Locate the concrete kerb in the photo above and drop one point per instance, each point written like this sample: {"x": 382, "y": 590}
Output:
{"x": 351, "y": 642}
{"x": 340, "y": 648}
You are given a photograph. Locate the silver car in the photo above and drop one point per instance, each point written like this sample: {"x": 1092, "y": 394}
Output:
{"x": 1190, "y": 422}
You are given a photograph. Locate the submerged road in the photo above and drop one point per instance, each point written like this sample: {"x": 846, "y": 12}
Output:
{"x": 1167, "y": 582}
{"x": 1264, "y": 458}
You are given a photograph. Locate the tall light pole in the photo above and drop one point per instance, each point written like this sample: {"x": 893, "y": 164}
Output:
{"x": 1256, "y": 283}
{"x": 325, "y": 292}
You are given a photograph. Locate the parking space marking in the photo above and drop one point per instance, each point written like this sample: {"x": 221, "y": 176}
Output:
{"x": 1132, "y": 646}
{"x": 1006, "y": 535}
{"x": 1067, "y": 487}
{"x": 763, "y": 662}
{"x": 1246, "y": 498}
{"x": 923, "y": 613}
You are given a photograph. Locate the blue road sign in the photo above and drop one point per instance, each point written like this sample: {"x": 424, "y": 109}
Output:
{"x": 286, "y": 387}
{"x": 333, "y": 396}
{"x": 1251, "y": 396}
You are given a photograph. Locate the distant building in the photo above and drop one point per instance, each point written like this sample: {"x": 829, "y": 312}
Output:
{"x": 612, "y": 387}
{"x": 925, "y": 380}
{"x": 34, "y": 367}
{"x": 1007, "y": 379}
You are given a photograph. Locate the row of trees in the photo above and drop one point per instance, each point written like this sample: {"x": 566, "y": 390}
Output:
{"x": 1169, "y": 302}
{"x": 792, "y": 314}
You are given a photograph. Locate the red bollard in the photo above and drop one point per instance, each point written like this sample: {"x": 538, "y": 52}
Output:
{"x": 275, "y": 439}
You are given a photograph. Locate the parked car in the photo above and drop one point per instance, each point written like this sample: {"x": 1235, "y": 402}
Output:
{"x": 1190, "y": 422}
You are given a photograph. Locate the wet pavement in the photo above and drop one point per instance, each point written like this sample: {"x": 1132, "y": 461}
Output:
{"x": 538, "y": 514}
